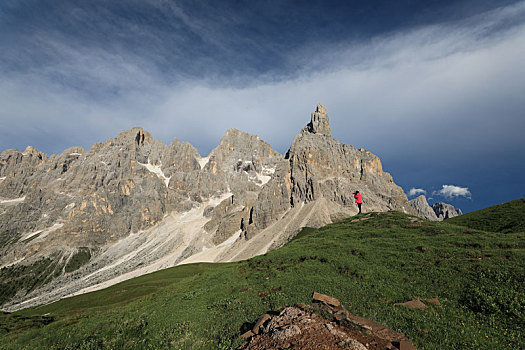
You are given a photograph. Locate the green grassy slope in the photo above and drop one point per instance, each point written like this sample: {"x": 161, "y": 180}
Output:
{"x": 369, "y": 265}
{"x": 506, "y": 217}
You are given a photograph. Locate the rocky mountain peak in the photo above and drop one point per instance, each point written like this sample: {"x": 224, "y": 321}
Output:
{"x": 237, "y": 146}
{"x": 320, "y": 108}
{"x": 73, "y": 151}
{"x": 33, "y": 155}
{"x": 422, "y": 208}
{"x": 135, "y": 137}
{"x": 14, "y": 163}
{"x": 319, "y": 123}
{"x": 445, "y": 211}
{"x": 436, "y": 212}
{"x": 30, "y": 150}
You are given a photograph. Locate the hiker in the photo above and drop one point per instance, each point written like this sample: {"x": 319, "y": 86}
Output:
{"x": 358, "y": 200}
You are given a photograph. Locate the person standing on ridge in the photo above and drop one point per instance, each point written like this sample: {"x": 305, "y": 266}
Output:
{"x": 358, "y": 200}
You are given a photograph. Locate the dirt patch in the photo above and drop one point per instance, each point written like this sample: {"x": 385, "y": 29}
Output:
{"x": 415, "y": 221}
{"x": 418, "y": 303}
{"x": 274, "y": 290}
{"x": 119, "y": 291}
{"x": 413, "y": 304}
{"x": 361, "y": 219}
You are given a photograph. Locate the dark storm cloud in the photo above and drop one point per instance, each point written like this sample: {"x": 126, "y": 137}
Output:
{"x": 434, "y": 88}
{"x": 187, "y": 39}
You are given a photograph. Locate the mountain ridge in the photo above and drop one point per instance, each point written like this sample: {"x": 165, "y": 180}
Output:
{"x": 115, "y": 200}
{"x": 438, "y": 211}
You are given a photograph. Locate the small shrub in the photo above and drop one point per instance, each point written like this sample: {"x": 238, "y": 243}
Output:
{"x": 81, "y": 257}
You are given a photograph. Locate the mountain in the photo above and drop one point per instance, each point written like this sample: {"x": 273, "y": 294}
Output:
{"x": 83, "y": 220}
{"x": 436, "y": 212}
{"x": 445, "y": 211}
{"x": 422, "y": 208}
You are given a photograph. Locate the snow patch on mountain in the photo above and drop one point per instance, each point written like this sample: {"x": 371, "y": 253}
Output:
{"x": 12, "y": 201}
{"x": 156, "y": 169}
{"x": 204, "y": 161}
{"x": 43, "y": 233}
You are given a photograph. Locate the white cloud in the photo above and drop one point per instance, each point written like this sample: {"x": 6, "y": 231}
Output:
{"x": 390, "y": 107}
{"x": 451, "y": 191}
{"x": 384, "y": 95}
{"x": 416, "y": 191}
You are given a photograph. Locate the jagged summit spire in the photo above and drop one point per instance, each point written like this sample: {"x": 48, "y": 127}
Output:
{"x": 319, "y": 123}
{"x": 320, "y": 108}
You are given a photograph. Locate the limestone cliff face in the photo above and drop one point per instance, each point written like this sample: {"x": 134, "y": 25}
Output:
{"x": 135, "y": 201}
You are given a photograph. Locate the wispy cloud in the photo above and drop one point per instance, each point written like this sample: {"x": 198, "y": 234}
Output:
{"x": 452, "y": 191}
{"x": 445, "y": 79}
{"x": 416, "y": 191}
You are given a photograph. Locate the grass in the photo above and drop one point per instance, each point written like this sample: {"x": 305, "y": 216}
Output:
{"x": 504, "y": 218}
{"x": 22, "y": 279}
{"x": 25, "y": 278}
{"x": 81, "y": 257}
{"x": 369, "y": 265}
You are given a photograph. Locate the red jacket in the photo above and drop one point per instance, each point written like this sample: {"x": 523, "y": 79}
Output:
{"x": 358, "y": 198}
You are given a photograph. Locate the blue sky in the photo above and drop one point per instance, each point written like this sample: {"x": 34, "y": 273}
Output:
{"x": 434, "y": 88}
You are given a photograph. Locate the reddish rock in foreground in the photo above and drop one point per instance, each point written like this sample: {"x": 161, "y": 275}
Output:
{"x": 298, "y": 327}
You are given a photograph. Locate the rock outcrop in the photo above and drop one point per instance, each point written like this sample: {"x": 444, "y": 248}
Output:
{"x": 137, "y": 205}
{"x": 422, "y": 208}
{"x": 300, "y": 328}
{"x": 445, "y": 211}
{"x": 320, "y": 167}
{"x": 319, "y": 123}
{"x": 436, "y": 212}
